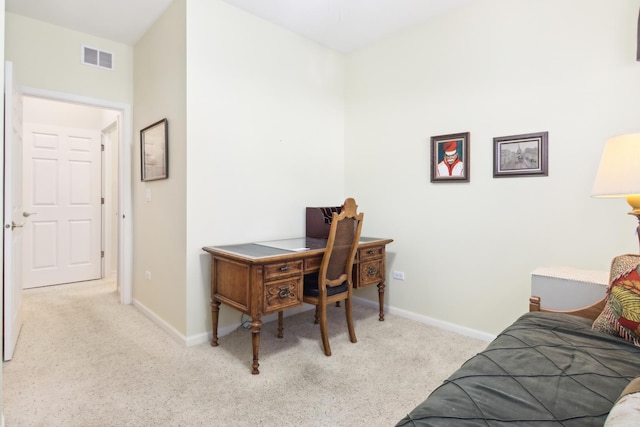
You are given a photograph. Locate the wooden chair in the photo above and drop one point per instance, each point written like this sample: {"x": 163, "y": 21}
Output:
{"x": 333, "y": 283}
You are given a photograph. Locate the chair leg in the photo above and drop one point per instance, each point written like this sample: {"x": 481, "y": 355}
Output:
{"x": 352, "y": 331}
{"x": 280, "y": 328}
{"x": 315, "y": 319}
{"x": 322, "y": 307}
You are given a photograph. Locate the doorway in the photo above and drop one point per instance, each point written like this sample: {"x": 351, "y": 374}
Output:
{"x": 114, "y": 130}
{"x": 67, "y": 181}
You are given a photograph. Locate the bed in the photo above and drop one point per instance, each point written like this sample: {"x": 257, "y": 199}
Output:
{"x": 546, "y": 369}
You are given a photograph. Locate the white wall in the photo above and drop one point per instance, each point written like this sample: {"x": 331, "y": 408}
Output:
{"x": 266, "y": 137}
{"x": 46, "y": 111}
{"x": 46, "y": 56}
{"x": 493, "y": 68}
{"x": 159, "y": 224}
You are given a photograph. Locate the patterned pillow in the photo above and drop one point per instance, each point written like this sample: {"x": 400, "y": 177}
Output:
{"x": 621, "y": 314}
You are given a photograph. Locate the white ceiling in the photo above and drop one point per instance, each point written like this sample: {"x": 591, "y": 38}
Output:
{"x": 343, "y": 25}
{"x": 346, "y": 25}
{"x": 124, "y": 21}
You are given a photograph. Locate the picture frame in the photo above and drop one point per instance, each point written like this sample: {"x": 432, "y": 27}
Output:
{"x": 450, "y": 160}
{"x": 154, "y": 151}
{"x": 638, "y": 39}
{"x": 521, "y": 155}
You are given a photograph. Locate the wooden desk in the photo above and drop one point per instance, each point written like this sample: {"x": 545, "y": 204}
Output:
{"x": 267, "y": 277}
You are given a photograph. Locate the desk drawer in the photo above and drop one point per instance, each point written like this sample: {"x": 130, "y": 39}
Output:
{"x": 369, "y": 272}
{"x": 370, "y": 253}
{"x": 282, "y": 269}
{"x": 312, "y": 264}
{"x": 281, "y": 294}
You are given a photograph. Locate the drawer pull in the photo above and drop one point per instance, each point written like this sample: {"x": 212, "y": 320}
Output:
{"x": 372, "y": 270}
{"x": 283, "y": 292}
{"x": 371, "y": 252}
{"x": 284, "y": 268}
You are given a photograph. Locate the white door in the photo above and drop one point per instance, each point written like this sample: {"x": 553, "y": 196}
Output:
{"x": 13, "y": 216}
{"x": 62, "y": 181}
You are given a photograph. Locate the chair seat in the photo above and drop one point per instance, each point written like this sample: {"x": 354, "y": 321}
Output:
{"x": 311, "y": 287}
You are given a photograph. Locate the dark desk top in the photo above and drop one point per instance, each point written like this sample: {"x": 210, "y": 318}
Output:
{"x": 281, "y": 247}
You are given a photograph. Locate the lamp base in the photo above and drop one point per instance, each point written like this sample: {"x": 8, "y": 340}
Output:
{"x": 637, "y": 215}
{"x": 634, "y": 201}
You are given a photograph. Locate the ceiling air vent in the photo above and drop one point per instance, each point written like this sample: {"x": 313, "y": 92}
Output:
{"x": 97, "y": 58}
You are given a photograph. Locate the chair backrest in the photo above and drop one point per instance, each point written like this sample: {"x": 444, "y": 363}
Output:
{"x": 342, "y": 245}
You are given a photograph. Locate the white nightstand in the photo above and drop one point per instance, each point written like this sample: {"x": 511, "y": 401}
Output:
{"x": 568, "y": 288}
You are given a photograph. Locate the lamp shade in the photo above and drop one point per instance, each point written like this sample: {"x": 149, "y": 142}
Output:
{"x": 619, "y": 171}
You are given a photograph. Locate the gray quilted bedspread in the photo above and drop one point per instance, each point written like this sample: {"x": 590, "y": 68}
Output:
{"x": 546, "y": 369}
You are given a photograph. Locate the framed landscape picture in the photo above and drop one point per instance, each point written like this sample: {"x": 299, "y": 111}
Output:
{"x": 521, "y": 155}
{"x": 154, "y": 151}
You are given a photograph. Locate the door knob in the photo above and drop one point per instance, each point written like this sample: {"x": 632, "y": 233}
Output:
{"x": 28, "y": 214}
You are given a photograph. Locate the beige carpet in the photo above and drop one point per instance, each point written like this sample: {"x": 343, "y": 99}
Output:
{"x": 85, "y": 360}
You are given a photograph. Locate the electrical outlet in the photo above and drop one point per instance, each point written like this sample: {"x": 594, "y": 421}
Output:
{"x": 398, "y": 275}
{"x": 147, "y": 275}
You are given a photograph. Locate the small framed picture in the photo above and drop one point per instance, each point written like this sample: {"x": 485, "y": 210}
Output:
{"x": 154, "y": 151}
{"x": 521, "y": 155}
{"x": 450, "y": 158}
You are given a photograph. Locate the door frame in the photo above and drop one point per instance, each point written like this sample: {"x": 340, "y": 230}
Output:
{"x": 125, "y": 232}
{"x": 110, "y": 251}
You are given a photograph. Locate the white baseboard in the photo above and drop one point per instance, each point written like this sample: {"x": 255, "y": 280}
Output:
{"x": 206, "y": 336}
{"x": 462, "y": 330}
{"x": 173, "y": 332}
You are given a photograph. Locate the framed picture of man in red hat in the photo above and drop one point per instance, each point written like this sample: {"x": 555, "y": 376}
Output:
{"x": 450, "y": 158}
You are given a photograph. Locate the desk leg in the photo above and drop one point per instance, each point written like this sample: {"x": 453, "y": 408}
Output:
{"x": 280, "y": 325}
{"x": 215, "y": 310}
{"x": 381, "y": 287}
{"x": 256, "y": 325}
